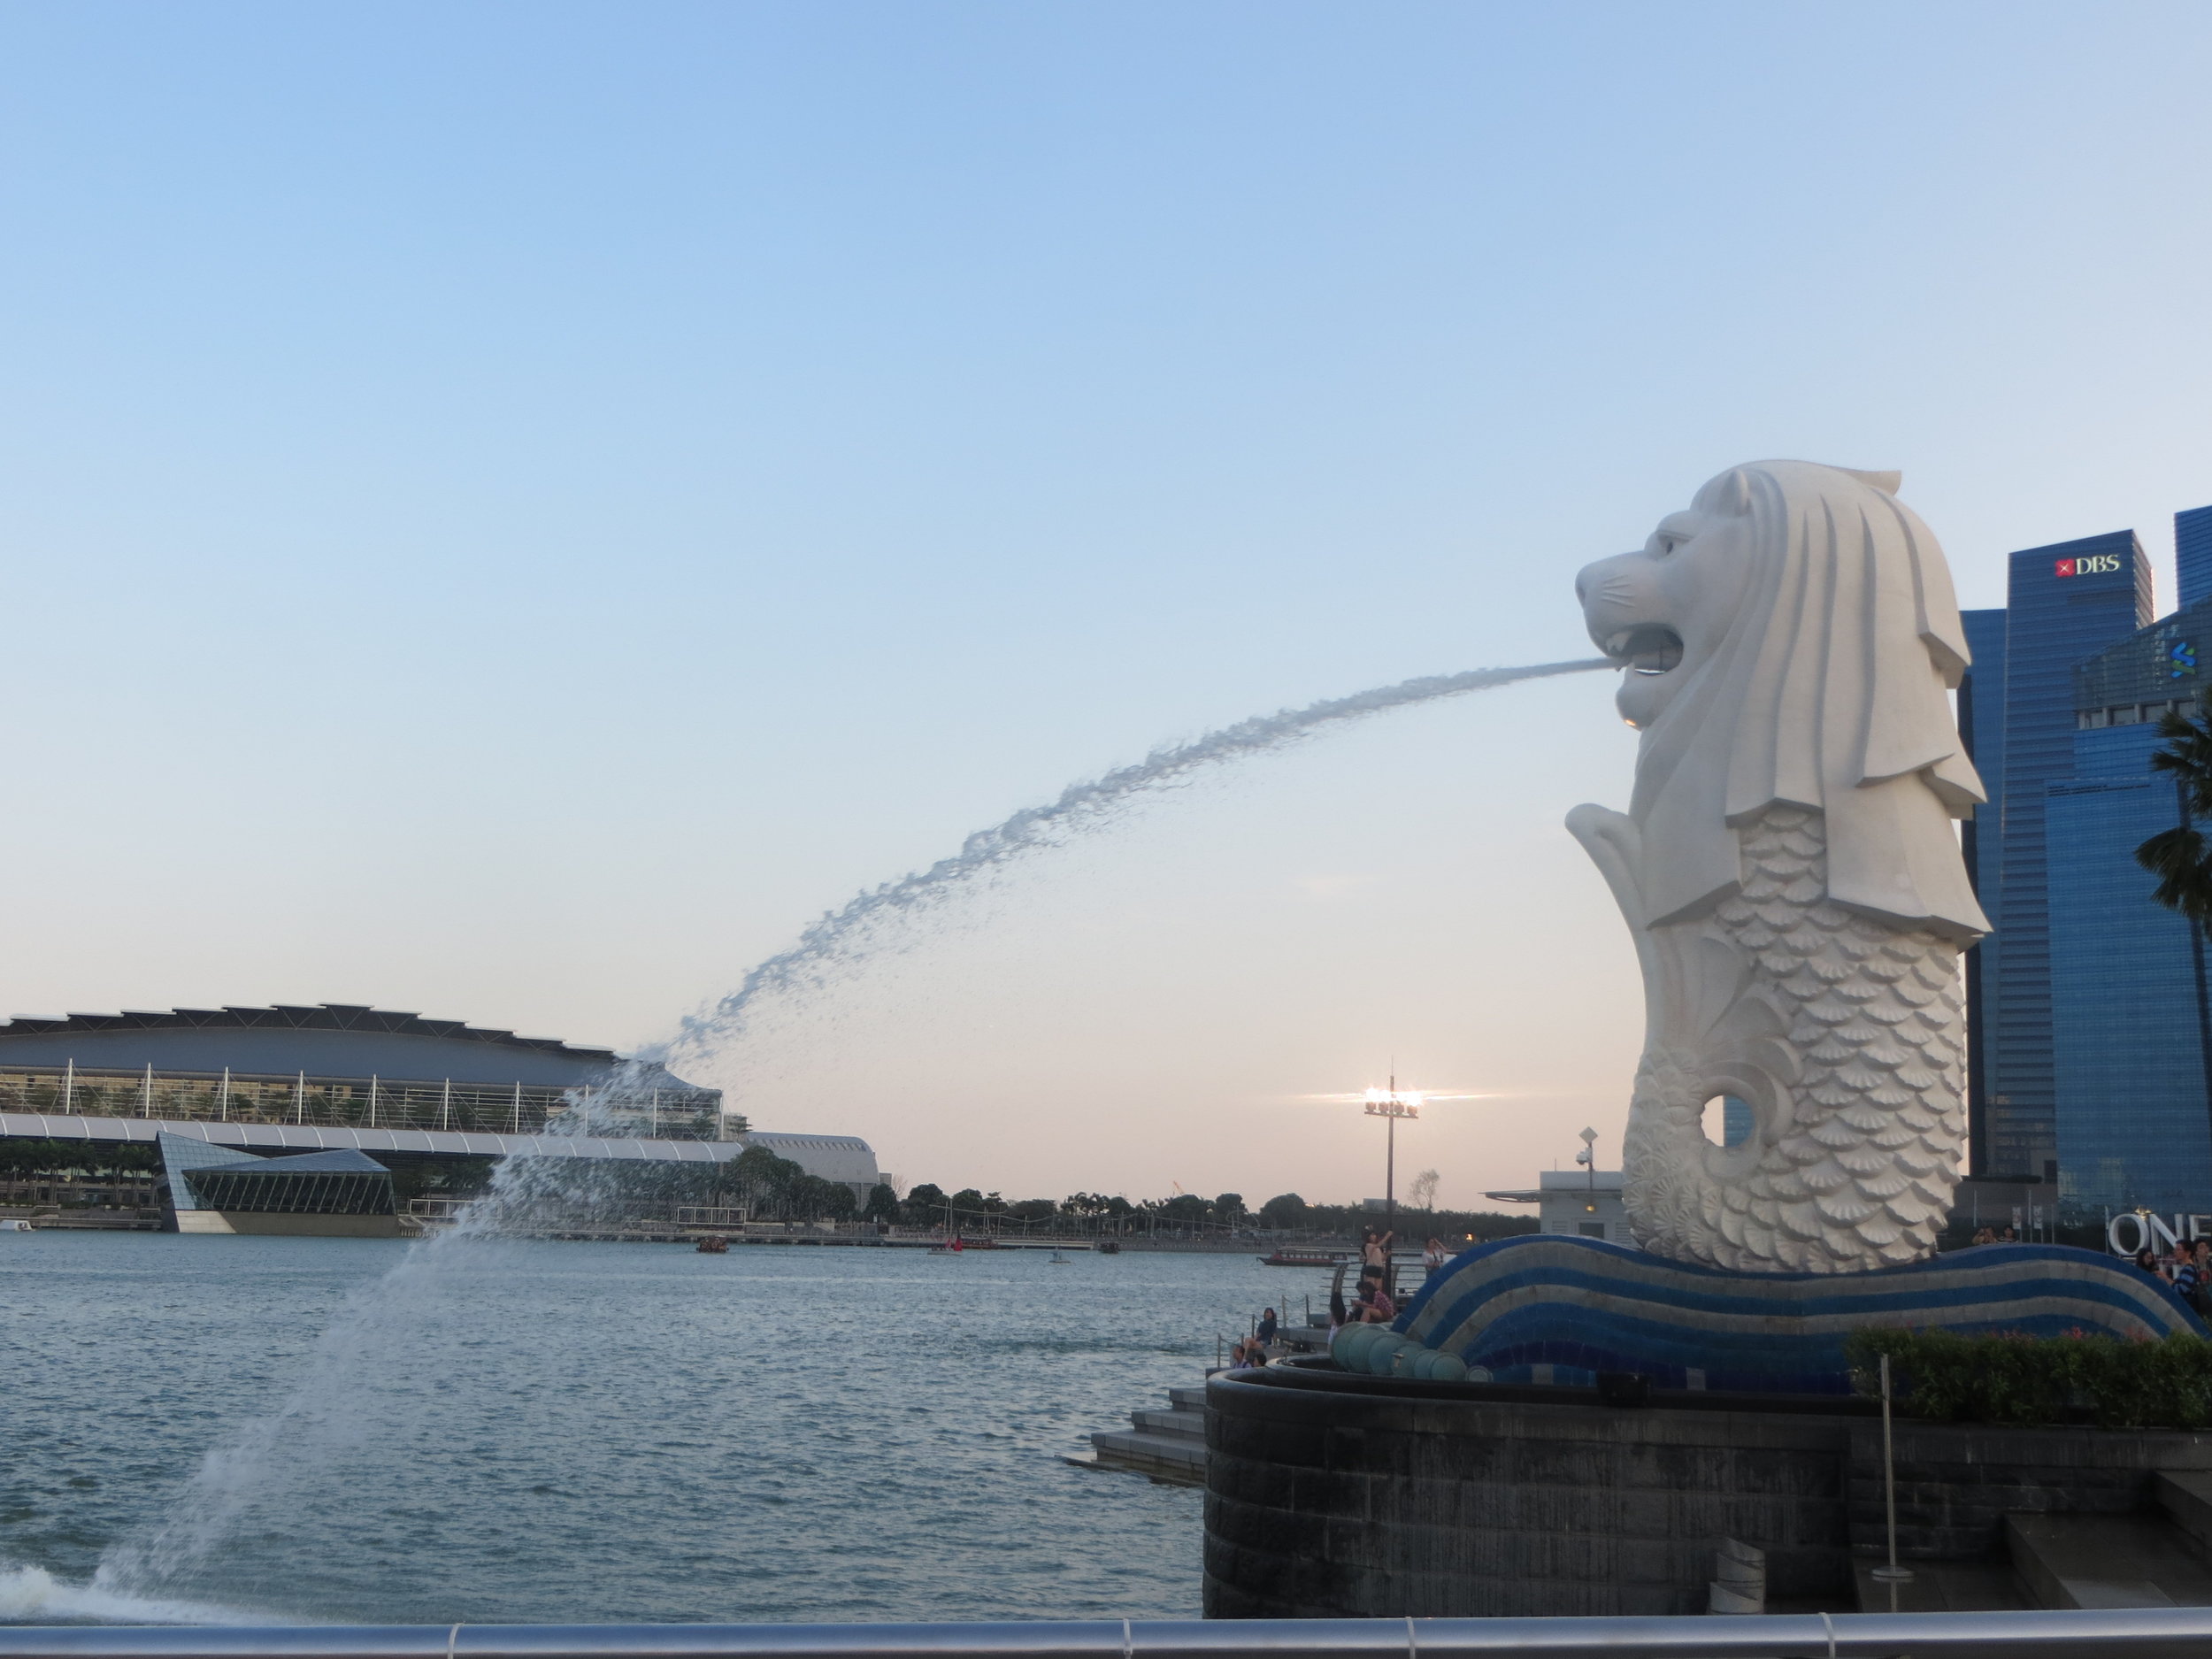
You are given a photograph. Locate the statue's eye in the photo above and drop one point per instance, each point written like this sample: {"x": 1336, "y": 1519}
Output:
{"x": 1665, "y": 542}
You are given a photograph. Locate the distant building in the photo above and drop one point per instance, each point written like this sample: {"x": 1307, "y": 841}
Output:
{"x": 393, "y": 1086}
{"x": 2088, "y": 1050}
{"x": 2064, "y": 603}
{"x": 207, "y": 1188}
{"x": 1584, "y": 1202}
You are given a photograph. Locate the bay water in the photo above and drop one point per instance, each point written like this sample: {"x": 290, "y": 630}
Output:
{"x": 564, "y": 1431}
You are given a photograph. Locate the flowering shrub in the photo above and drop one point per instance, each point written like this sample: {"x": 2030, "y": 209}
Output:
{"x": 2015, "y": 1378}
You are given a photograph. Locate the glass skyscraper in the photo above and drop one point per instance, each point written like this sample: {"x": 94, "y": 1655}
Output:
{"x": 2090, "y": 1055}
{"x": 2129, "y": 1010}
{"x": 2066, "y": 602}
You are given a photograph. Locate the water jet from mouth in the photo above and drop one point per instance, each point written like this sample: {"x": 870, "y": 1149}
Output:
{"x": 840, "y": 936}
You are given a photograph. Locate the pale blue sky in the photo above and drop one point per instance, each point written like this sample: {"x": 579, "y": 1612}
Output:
{"x": 510, "y": 509}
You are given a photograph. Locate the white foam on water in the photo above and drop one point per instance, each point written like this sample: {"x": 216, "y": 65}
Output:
{"x": 31, "y": 1595}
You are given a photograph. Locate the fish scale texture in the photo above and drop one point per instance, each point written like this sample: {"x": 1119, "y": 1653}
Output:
{"x": 1856, "y": 1169}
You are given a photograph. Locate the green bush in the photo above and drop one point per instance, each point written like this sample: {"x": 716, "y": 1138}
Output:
{"x": 2011, "y": 1378}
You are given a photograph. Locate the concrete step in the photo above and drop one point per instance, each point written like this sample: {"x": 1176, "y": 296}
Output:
{"x": 1172, "y": 1457}
{"x": 2187, "y": 1498}
{"x": 1187, "y": 1399}
{"x": 1940, "y": 1586}
{"x": 2104, "y": 1561}
{"x": 1191, "y": 1424}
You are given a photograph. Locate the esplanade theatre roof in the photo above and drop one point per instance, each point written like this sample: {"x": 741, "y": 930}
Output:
{"x": 328, "y": 1039}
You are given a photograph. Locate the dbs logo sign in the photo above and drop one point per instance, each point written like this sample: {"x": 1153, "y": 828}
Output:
{"x": 2095, "y": 564}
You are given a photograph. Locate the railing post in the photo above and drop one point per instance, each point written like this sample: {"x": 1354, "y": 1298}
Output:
{"x": 518, "y": 1107}
{"x": 1892, "y": 1573}
{"x": 299, "y": 1099}
{"x": 445, "y": 1106}
{"x": 68, "y": 1087}
{"x": 146, "y": 1093}
{"x": 372, "y": 1100}
{"x": 222, "y": 1099}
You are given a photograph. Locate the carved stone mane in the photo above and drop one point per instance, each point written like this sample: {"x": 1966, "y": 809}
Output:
{"x": 1789, "y": 869}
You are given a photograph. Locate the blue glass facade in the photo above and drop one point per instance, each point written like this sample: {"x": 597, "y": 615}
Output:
{"x": 2129, "y": 1018}
{"x": 2067, "y": 601}
{"x": 2192, "y": 555}
{"x": 1982, "y": 725}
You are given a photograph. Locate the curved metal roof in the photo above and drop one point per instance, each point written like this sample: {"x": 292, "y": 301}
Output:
{"x": 309, "y": 1138}
{"x": 322, "y": 1016}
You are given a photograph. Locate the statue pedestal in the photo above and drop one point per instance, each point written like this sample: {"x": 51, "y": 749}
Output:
{"x": 1337, "y": 1497}
{"x": 1554, "y": 1309}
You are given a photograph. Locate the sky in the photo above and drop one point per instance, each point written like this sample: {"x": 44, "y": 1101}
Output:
{"x": 512, "y": 511}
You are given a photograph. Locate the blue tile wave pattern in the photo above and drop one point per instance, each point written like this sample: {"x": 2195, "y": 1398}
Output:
{"x": 1580, "y": 1306}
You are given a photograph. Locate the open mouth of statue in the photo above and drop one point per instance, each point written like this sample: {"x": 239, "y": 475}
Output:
{"x": 1653, "y": 649}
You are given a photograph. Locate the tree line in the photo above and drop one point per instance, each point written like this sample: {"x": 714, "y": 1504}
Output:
{"x": 24, "y": 1160}
{"x": 929, "y": 1205}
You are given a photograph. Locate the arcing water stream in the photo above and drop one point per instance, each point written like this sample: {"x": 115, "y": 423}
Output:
{"x": 841, "y": 934}
{"x": 365, "y": 1378}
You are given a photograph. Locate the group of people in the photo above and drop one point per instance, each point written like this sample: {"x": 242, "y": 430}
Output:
{"x": 1372, "y": 1302}
{"x": 1252, "y": 1350}
{"x": 2187, "y": 1267}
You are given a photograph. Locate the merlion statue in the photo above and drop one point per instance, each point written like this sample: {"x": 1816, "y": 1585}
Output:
{"x": 1789, "y": 869}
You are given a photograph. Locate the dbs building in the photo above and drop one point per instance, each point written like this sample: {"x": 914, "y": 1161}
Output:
{"x": 2090, "y": 1066}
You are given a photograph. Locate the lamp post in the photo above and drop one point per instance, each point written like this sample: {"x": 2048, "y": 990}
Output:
{"x": 1391, "y": 1105}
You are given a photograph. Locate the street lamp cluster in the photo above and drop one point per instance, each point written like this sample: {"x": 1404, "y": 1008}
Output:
{"x": 1391, "y": 1105}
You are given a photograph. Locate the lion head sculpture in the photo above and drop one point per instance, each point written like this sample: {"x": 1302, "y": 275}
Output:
{"x": 1790, "y": 640}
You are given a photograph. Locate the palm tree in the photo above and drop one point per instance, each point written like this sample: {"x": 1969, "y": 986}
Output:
{"x": 2178, "y": 857}
{"x": 2180, "y": 860}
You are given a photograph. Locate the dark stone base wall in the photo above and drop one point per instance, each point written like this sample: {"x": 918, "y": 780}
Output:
{"x": 1323, "y": 1504}
{"x": 1330, "y": 1495}
{"x": 1957, "y": 1482}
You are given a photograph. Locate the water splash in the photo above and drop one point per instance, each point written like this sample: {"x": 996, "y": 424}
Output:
{"x": 833, "y": 938}
{"x": 362, "y": 1383}
{"x": 31, "y": 1595}
{"x": 360, "y": 1380}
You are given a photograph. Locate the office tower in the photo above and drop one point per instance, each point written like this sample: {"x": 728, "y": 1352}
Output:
{"x": 2130, "y": 1025}
{"x": 2066, "y": 602}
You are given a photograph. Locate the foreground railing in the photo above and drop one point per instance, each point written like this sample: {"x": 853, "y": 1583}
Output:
{"x": 2134, "y": 1632}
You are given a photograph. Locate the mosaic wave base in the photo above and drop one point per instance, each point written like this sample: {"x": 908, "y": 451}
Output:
{"x": 1560, "y": 1308}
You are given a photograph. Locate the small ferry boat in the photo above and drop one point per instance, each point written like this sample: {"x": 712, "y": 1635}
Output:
{"x": 714, "y": 1244}
{"x": 1296, "y": 1256}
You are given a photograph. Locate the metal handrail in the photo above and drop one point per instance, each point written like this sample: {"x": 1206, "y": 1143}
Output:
{"x": 2137, "y": 1632}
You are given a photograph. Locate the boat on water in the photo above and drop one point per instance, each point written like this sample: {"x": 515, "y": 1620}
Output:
{"x": 15, "y": 1223}
{"x": 714, "y": 1244}
{"x": 1293, "y": 1255}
